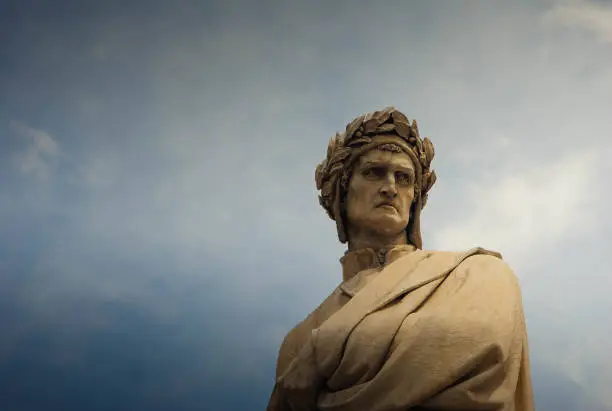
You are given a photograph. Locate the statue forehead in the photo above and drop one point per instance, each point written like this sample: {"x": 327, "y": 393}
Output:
{"x": 386, "y": 157}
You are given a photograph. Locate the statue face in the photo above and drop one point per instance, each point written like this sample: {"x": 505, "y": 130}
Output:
{"x": 380, "y": 193}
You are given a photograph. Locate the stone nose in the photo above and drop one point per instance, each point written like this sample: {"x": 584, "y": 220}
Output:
{"x": 388, "y": 189}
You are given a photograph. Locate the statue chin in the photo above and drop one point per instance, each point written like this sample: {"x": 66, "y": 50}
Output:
{"x": 388, "y": 225}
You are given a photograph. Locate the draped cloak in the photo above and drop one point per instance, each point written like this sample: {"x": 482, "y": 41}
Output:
{"x": 417, "y": 330}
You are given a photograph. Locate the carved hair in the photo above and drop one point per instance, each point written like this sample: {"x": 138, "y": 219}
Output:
{"x": 386, "y": 129}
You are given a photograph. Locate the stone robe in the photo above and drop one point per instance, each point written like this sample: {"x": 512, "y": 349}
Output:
{"x": 410, "y": 330}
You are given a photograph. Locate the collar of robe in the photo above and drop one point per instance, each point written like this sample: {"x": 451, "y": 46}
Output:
{"x": 359, "y": 264}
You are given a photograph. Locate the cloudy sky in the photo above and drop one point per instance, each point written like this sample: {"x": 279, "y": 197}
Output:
{"x": 159, "y": 225}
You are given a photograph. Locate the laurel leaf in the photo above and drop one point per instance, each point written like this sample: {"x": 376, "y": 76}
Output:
{"x": 429, "y": 149}
{"x": 415, "y": 127}
{"x": 368, "y": 116}
{"x": 352, "y": 127}
{"x": 399, "y": 116}
{"x": 331, "y": 147}
{"x": 384, "y": 115}
{"x": 403, "y": 129}
{"x": 359, "y": 141}
{"x": 340, "y": 154}
{"x": 385, "y": 128}
{"x": 419, "y": 144}
{"x": 370, "y": 126}
{"x": 425, "y": 181}
{"x": 429, "y": 180}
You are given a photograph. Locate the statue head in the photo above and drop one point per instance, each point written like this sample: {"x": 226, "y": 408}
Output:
{"x": 376, "y": 176}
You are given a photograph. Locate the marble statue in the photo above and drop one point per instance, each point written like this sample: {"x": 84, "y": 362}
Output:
{"x": 406, "y": 329}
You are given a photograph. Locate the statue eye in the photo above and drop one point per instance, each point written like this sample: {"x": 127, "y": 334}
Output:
{"x": 404, "y": 178}
{"x": 374, "y": 172}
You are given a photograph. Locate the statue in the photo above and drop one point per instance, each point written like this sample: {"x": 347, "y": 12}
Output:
{"x": 407, "y": 329}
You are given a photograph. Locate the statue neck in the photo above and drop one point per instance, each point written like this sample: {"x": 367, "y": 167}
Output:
{"x": 358, "y": 241}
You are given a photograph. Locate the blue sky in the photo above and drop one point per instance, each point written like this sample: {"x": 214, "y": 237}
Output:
{"x": 160, "y": 225}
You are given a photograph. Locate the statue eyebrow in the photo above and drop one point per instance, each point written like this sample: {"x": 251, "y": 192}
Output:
{"x": 374, "y": 164}
{"x": 407, "y": 170}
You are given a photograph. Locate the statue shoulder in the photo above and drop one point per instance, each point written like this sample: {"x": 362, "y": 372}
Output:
{"x": 490, "y": 270}
{"x": 479, "y": 264}
{"x": 476, "y": 251}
